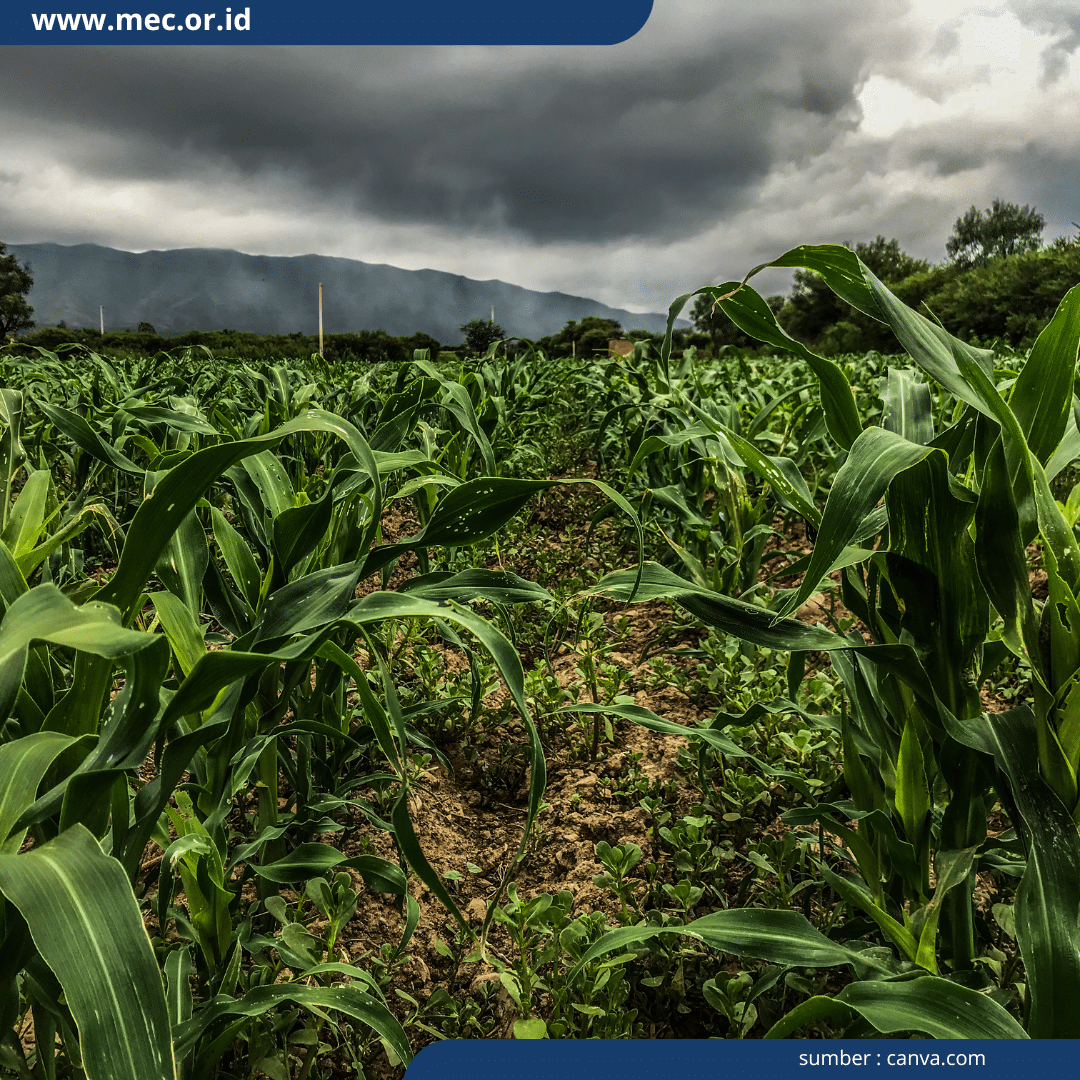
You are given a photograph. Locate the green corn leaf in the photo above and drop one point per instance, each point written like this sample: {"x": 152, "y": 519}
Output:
{"x": 14, "y": 453}
{"x": 934, "y": 349}
{"x": 656, "y": 444}
{"x": 749, "y": 312}
{"x": 373, "y": 709}
{"x": 83, "y": 435}
{"x": 780, "y": 472}
{"x": 183, "y": 562}
{"x": 866, "y": 793}
{"x": 186, "y": 637}
{"x": 912, "y": 788}
{"x": 712, "y": 738}
{"x": 876, "y": 457}
{"x": 238, "y": 558}
{"x": 272, "y": 482}
{"x": 930, "y": 1006}
{"x": 172, "y": 418}
{"x": 937, "y": 1007}
{"x": 314, "y": 860}
{"x": 856, "y": 896}
{"x": 23, "y": 764}
{"x": 46, "y": 614}
{"x": 1033, "y": 496}
{"x": 410, "y": 846}
{"x": 86, "y": 924}
{"x": 178, "y": 996}
{"x": 1002, "y": 561}
{"x": 499, "y": 586}
{"x": 128, "y": 731}
{"x": 952, "y": 869}
{"x": 307, "y": 604}
{"x": 460, "y": 405}
{"x": 343, "y": 998}
{"x": 176, "y": 494}
{"x": 26, "y": 518}
{"x": 811, "y": 1011}
{"x": 908, "y": 407}
{"x": 12, "y": 579}
{"x": 1048, "y": 899}
{"x": 30, "y": 560}
{"x": 1068, "y": 450}
{"x": 1042, "y": 396}
{"x": 781, "y": 937}
{"x": 732, "y": 616}
{"x": 839, "y": 267}
{"x": 298, "y": 530}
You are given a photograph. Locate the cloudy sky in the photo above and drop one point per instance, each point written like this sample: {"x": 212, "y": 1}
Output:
{"x": 719, "y": 136}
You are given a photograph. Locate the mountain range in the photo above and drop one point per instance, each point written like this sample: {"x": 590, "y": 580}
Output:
{"x": 186, "y": 289}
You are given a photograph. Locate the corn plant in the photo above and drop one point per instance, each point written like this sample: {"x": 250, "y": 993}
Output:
{"x": 264, "y": 520}
{"x": 926, "y": 572}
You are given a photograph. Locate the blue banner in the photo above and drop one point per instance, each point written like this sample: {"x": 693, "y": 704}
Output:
{"x": 779, "y": 1059}
{"x": 332, "y": 22}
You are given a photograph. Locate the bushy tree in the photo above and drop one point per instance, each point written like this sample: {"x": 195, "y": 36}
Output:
{"x": 479, "y": 334}
{"x": 421, "y": 340}
{"x": 588, "y": 337}
{"x": 15, "y": 283}
{"x": 813, "y": 309}
{"x": 1005, "y": 229}
{"x": 1009, "y": 300}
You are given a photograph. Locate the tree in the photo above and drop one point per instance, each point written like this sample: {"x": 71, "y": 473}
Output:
{"x": 813, "y": 308}
{"x": 15, "y": 284}
{"x": 479, "y": 334}
{"x": 1005, "y": 229}
{"x": 421, "y": 340}
{"x": 589, "y": 337}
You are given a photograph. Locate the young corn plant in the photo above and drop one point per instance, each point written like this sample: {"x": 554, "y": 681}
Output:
{"x": 928, "y": 528}
{"x": 88, "y": 701}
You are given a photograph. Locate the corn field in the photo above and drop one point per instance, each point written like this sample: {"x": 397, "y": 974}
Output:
{"x": 348, "y": 708}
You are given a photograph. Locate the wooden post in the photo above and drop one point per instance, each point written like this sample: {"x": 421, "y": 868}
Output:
{"x": 101, "y": 314}
{"x": 320, "y": 319}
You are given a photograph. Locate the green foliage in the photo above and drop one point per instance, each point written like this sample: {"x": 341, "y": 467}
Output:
{"x": 1008, "y": 300}
{"x": 1004, "y": 299}
{"x": 815, "y": 314}
{"x": 15, "y": 283}
{"x": 1004, "y": 229}
{"x": 709, "y": 319}
{"x": 587, "y": 338}
{"x": 480, "y": 334}
{"x": 367, "y": 346}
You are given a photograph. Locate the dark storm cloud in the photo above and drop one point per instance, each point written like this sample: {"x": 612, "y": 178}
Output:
{"x": 654, "y": 138}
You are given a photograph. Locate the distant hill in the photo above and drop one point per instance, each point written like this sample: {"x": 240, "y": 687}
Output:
{"x": 214, "y": 289}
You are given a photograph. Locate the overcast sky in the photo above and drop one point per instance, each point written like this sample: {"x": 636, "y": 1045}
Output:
{"x": 718, "y": 137}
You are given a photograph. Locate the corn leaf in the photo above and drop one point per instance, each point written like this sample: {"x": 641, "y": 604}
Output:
{"x": 86, "y": 924}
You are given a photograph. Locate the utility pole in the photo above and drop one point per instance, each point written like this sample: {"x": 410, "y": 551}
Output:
{"x": 101, "y": 315}
{"x": 492, "y": 314}
{"x": 320, "y": 319}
